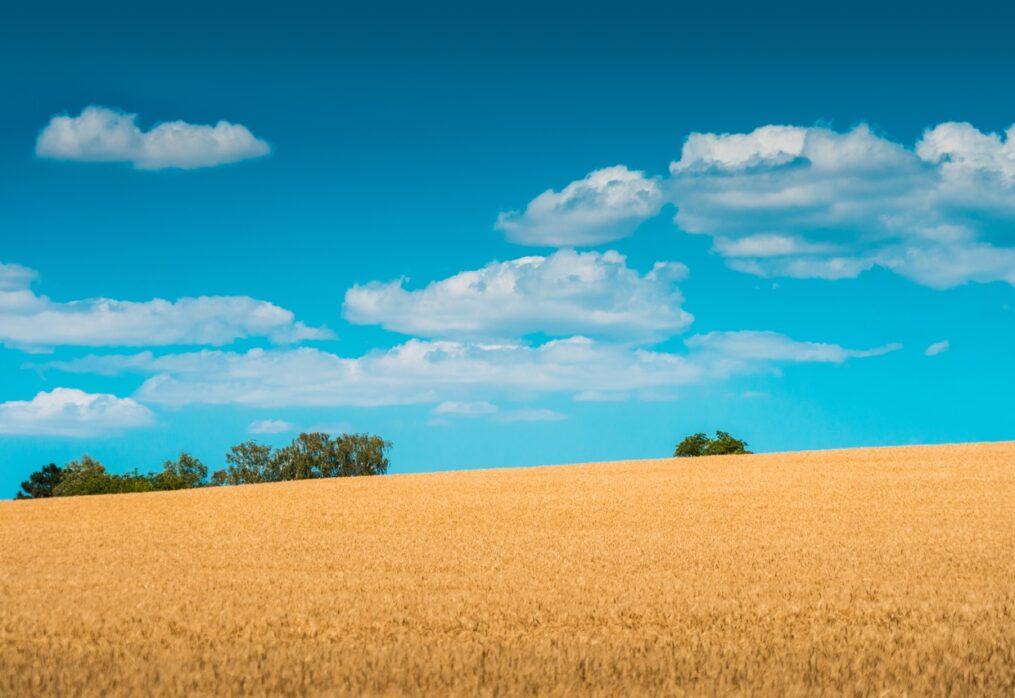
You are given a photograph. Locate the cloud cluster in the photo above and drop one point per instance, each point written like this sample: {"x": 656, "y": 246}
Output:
{"x": 811, "y": 202}
{"x": 31, "y": 321}
{"x": 100, "y": 134}
{"x": 567, "y": 293}
{"x": 462, "y": 376}
{"x": 606, "y": 205}
{"x": 70, "y": 412}
{"x": 815, "y": 203}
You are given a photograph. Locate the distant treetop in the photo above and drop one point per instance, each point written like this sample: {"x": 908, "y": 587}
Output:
{"x": 701, "y": 445}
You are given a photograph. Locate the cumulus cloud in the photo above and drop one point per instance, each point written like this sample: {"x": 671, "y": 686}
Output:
{"x": 270, "y": 426}
{"x": 816, "y": 203}
{"x": 71, "y": 412}
{"x": 938, "y": 348}
{"x": 453, "y": 373}
{"x": 100, "y": 134}
{"x": 567, "y": 293}
{"x": 608, "y": 204}
{"x": 31, "y": 321}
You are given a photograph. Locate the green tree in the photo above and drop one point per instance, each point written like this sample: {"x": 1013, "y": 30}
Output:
{"x": 41, "y": 483}
{"x": 314, "y": 455}
{"x": 85, "y": 476}
{"x": 360, "y": 454}
{"x": 250, "y": 463}
{"x": 183, "y": 473}
{"x": 129, "y": 482}
{"x": 692, "y": 446}
{"x": 724, "y": 445}
{"x": 701, "y": 445}
{"x": 308, "y": 456}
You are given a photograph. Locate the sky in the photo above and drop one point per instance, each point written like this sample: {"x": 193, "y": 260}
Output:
{"x": 503, "y": 234}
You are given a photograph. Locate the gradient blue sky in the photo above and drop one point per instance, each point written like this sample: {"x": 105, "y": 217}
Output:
{"x": 398, "y": 134}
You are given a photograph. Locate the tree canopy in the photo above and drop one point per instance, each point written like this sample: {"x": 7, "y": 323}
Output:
{"x": 41, "y": 483}
{"x": 702, "y": 445}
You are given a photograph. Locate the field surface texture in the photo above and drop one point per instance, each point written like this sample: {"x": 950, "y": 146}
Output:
{"x": 884, "y": 571}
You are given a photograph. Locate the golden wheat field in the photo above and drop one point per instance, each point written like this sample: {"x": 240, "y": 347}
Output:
{"x": 886, "y": 571}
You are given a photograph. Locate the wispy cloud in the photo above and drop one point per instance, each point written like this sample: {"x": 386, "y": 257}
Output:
{"x": 938, "y": 348}
{"x": 466, "y": 409}
{"x": 771, "y": 346}
{"x": 270, "y": 426}
{"x": 531, "y": 415}
{"x": 454, "y": 373}
{"x": 100, "y": 134}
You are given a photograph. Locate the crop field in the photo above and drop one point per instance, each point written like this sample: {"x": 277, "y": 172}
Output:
{"x": 884, "y": 571}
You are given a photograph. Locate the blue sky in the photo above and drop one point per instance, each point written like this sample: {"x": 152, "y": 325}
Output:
{"x": 503, "y": 235}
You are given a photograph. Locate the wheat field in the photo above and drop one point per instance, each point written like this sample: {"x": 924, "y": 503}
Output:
{"x": 885, "y": 571}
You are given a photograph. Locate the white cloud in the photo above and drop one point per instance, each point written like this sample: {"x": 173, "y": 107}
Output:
{"x": 815, "y": 203}
{"x": 811, "y": 202}
{"x": 466, "y": 409}
{"x": 14, "y": 277}
{"x": 30, "y": 321}
{"x": 531, "y": 415}
{"x": 608, "y": 204}
{"x": 100, "y": 134}
{"x": 270, "y": 426}
{"x": 768, "y": 245}
{"x": 71, "y": 412}
{"x": 770, "y": 346}
{"x": 938, "y": 348}
{"x": 451, "y": 372}
{"x": 961, "y": 148}
{"x": 567, "y": 293}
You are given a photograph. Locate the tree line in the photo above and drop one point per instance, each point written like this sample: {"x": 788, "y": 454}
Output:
{"x": 310, "y": 455}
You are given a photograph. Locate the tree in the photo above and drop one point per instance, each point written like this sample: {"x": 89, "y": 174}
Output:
{"x": 41, "y": 483}
{"x": 129, "y": 482}
{"x": 250, "y": 463}
{"x": 360, "y": 454}
{"x": 691, "y": 446}
{"x": 308, "y": 456}
{"x": 313, "y": 455}
{"x": 701, "y": 445}
{"x": 85, "y": 476}
{"x": 723, "y": 445}
{"x": 183, "y": 473}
